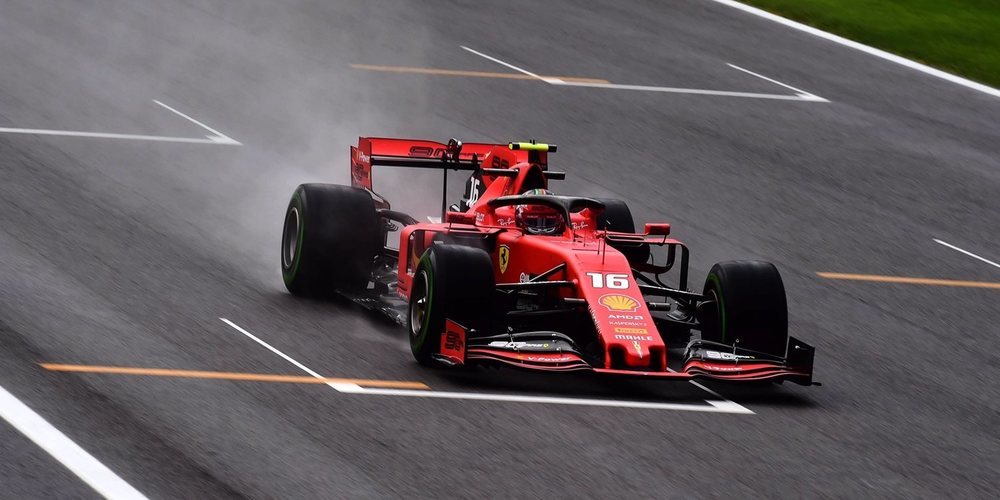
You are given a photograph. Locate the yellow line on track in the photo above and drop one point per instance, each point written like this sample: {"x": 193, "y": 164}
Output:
{"x": 909, "y": 281}
{"x": 474, "y": 74}
{"x": 248, "y": 377}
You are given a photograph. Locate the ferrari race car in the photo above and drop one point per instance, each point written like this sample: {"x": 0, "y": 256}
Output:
{"x": 515, "y": 275}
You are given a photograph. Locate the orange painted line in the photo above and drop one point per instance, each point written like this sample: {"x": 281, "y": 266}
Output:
{"x": 909, "y": 281}
{"x": 474, "y": 74}
{"x": 249, "y": 377}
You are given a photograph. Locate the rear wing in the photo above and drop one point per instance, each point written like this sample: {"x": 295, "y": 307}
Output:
{"x": 470, "y": 157}
{"x": 418, "y": 153}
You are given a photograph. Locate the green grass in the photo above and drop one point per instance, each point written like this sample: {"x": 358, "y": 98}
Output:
{"x": 958, "y": 36}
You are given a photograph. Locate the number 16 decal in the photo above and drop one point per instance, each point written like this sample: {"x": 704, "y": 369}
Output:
{"x": 613, "y": 281}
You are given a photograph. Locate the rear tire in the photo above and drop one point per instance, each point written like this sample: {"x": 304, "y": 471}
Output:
{"x": 454, "y": 282}
{"x": 617, "y": 217}
{"x": 330, "y": 239}
{"x": 750, "y": 307}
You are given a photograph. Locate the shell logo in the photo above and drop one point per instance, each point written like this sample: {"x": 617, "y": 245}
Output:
{"x": 616, "y": 302}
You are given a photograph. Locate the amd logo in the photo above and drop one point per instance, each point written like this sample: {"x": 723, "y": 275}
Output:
{"x": 630, "y": 317}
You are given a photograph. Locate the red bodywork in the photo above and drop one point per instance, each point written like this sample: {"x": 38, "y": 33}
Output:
{"x": 601, "y": 275}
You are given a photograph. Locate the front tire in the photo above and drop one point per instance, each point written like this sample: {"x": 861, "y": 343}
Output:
{"x": 749, "y": 309}
{"x": 329, "y": 239}
{"x": 451, "y": 282}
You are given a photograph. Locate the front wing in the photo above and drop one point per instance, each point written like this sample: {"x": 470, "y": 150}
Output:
{"x": 554, "y": 352}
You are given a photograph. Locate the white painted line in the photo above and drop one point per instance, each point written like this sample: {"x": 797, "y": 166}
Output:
{"x": 106, "y": 135}
{"x": 715, "y": 406}
{"x": 802, "y": 93}
{"x": 216, "y": 138}
{"x": 335, "y": 385}
{"x": 863, "y": 48}
{"x": 723, "y": 406}
{"x": 675, "y": 90}
{"x": 706, "y": 389}
{"x": 966, "y": 252}
{"x": 269, "y": 347}
{"x": 511, "y": 66}
{"x": 710, "y": 391}
{"x": 63, "y": 449}
{"x": 801, "y": 96}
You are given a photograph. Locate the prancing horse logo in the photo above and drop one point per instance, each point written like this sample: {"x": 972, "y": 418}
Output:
{"x": 504, "y": 258}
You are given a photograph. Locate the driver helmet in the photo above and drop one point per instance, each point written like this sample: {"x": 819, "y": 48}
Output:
{"x": 538, "y": 219}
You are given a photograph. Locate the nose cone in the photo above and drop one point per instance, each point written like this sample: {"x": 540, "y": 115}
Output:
{"x": 633, "y": 345}
{"x": 619, "y": 302}
{"x": 631, "y": 340}
{"x": 621, "y": 318}
{"x": 636, "y": 351}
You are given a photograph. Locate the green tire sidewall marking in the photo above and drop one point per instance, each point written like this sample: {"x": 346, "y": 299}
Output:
{"x": 713, "y": 278}
{"x": 425, "y": 326}
{"x": 289, "y": 274}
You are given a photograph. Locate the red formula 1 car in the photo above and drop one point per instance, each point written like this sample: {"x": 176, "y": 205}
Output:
{"x": 519, "y": 276}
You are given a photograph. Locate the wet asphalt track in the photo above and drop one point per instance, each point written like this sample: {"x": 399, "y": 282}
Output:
{"x": 127, "y": 252}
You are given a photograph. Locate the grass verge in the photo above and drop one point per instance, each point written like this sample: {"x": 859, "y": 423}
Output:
{"x": 959, "y": 36}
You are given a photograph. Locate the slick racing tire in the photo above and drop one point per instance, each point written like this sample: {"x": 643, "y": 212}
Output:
{"x": 617, "y": 217}
{"x": 329, "y": 241}
{"x": 750, "y": 308}
{"x": 454, "y": 282}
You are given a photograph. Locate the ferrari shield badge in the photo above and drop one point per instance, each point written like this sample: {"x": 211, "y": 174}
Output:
{"x": 503, "y": 258}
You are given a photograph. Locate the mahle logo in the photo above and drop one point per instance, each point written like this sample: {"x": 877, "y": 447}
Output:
{"x": 634, "y": 338}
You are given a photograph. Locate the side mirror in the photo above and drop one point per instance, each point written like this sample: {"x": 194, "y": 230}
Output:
{"x": 460, "y": 218}
{"x": 657, "y": 229}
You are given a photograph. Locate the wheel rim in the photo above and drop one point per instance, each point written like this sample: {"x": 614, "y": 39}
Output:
{"x": 290, "y": 238}
{"x": 418, "y": 304}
